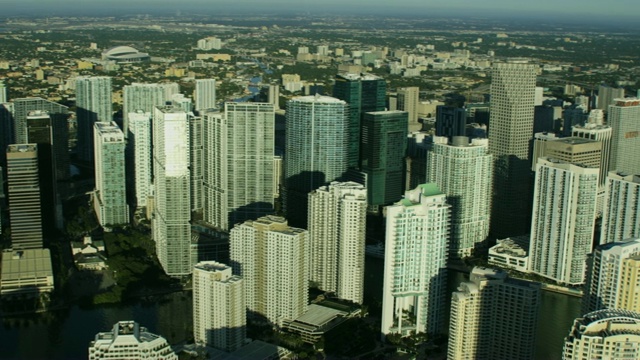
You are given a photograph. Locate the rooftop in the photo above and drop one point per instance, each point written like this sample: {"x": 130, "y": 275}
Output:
{"x": 318, "y": 99}
{"x": 575, "y": 140}
{"x": 21, "y": 264}
{"x": 21, "y": 148}
{"x": 318, "y": 315}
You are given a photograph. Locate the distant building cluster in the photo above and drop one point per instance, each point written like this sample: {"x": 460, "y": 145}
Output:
{"x": 257, "y": 201}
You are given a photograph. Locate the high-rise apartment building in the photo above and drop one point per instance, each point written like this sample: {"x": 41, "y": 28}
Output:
{"x": 415, "y": 273}
{"x": 337, "y": 226}
{"x": 563, "y": 219}
{"x": 219, "y": 309}
{"x": 93, "y": 104}
{"x": 624, "y": 119}
{"x": 23, "y": 185}
{"x": 607, "y": 96}
{"x": 317, "y": 129}
{"x": 463, "y": 171}
{"x": 273, "y": 95}
{"x": 613, "y": 272}
{"x": 129, "y": 340}
{"x": 205, "y": 94}
{"x": 363, "y": 93}
{"x": 110, "y": 197}
{"x": 604, "y": 334}
{"x": 272, "y": 259}
{"x": 239, "y": 166}
{"x": 139, "y": 157}
{"x": 511, "y": 128}
{"x": 145, "y": 97}
{"x": 408, "y": 100}
{"x": 172, "y": 188}
{"x": 383, "y": 148}
{"x": 20, "y": 108}
{"x": 4, "y": 97}
{"x": 493, "y": 317}
{"x": 621, "y": 215}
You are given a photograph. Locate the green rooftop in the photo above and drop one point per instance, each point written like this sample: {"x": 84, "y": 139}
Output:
{"x": 430, "y": 189}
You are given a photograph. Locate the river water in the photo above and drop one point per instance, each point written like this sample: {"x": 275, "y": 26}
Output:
{"x": 66, "y": 334}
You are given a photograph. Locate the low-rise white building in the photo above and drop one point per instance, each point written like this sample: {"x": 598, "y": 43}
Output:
{"x": 129, "y": 340}
{"x": 511, "y": 253}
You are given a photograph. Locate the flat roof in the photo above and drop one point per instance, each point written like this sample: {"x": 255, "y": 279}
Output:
{"x": 30, "y": 263}
{"x": 319, "y": 315}
{"x": 575, "y": 140}
{"x": 318, "y": 99}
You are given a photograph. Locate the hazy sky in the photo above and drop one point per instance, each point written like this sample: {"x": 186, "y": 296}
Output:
{"x": 627, "y": 9}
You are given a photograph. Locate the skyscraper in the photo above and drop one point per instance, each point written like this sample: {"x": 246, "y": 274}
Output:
{"x": 607, "y": 96}
{"x": 450, "y": 121}
{"x": 273, "y": 95}
{"x": 3, "y": 93}
{"x": 415, "y": 273}
{"x": 50, "y": 133}
{"x": 145, "y": 97}
{"x": 6, "y": 130}
{"x": 602, "y": 133}
{"x": 205, "y": 94}
{"x": 418, "y": 146}
{"x": 337, "y": 224}
{"x": 575, "y": 115}
{"x": 196, "y": 158}
{"x": 93, "y": 103}
{"x": 624, "y": 119}
{"x": 363, "y": 93}
{"x": 219, "y": 309}
{"x": 272, "y": 259}
{"x": 384, "y": 143}
{"x": 239, "y": 166}
{"x": 620, "y": 216}
{"x": 20, "y": 108}
{"x": 316, "y": 149}
{"x": 564, "y": 212}
{"x": 611, "y": 334}
{"x": 139, "y": 157}
{"x": 408, "y": 99}
{"x": 110, "y": 197}
{"x": 23, "y": 185}
{"x": 613, "y": 273}
{"x": 171, "y": 178}
{"x": 493, "y": 317}
{"x": 463, "y": 171}
{"x": 574, "y": 150}
{"x": 511, "y": 125}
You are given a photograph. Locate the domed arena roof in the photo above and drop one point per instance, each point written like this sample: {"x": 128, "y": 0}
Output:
{"x": 124, "y": 54}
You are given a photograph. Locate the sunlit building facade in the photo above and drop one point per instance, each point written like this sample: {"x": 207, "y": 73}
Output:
{"x": 415, "y": 260}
